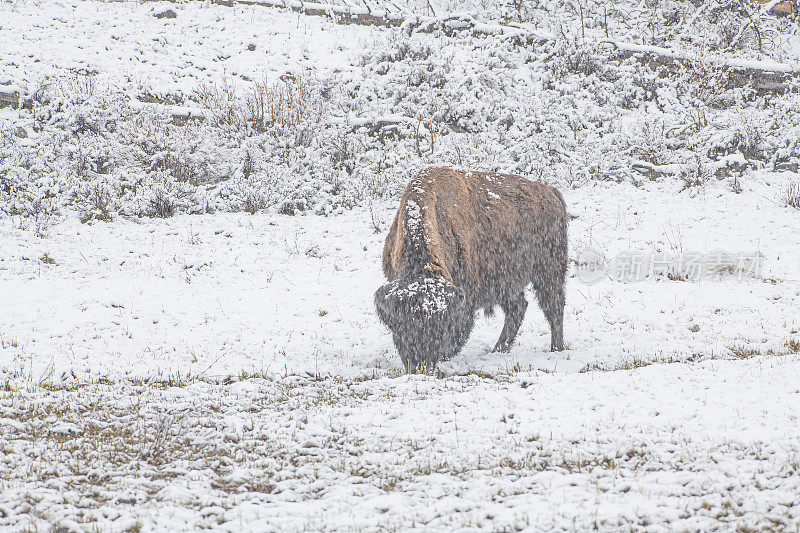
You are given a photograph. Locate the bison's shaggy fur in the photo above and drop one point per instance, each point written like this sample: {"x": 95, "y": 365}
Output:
{"x": 462, "y": 241}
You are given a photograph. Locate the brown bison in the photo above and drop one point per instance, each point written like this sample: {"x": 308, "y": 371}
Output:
{"x": 465, "y": 240}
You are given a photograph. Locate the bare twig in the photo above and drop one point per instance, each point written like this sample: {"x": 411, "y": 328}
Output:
{"x": 755, "y": 27}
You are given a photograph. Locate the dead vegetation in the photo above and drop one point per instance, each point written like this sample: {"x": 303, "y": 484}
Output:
{"x": 282, "y": 107}
{"x": 792, "y": 196}
{"x": 739, "y": 350}
{"x": 695, "y": 173}
{"x": 790, "y": 346}
{"x": 134, "y": 446}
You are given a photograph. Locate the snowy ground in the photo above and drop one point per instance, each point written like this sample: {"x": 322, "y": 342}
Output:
{"x": 707, "y": 446}
{"x": 126, "y": 47}
{"x": 227, "y": 370}
{"x": 226, "y": 294}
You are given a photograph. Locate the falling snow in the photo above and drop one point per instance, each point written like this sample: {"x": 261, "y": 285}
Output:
{"x": 188, "y": 338}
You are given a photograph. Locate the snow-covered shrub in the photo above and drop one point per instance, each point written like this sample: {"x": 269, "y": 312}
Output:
{"x": 744, "y": 135}
{"x": 185, "y": 152}
{"x": 400, "y": 48}
{"x": 786, "y": 154}
{"x": 58, "y": 110}
{"x": 573, "y": 57}
{"x": 430, "y": 85}
{"x": 321, "y": 189}
{"x": 253, "y": 188}
{"x": 739, "y": 26}
{"x": 646, "y": 139}
{"x": 706, "y": 81}
{"x": 636, "y": 84}
{"x": 7, "y": 141}
{"x": 694, "y": 173}
{"x": 222, "y": 104}
{"x": 91, "y": 154}
{"x": 748, "y": 140}
{"x": 38, "y": 213}
{"x": 257, "y": 192}
{"x": 79, "y": 87}
{"x": 565, "y": 110}
{"x": 343, "y": 147}
{"x": 96, "y": 200}
{"x": 287, "y": 106}
{"x": 386, "y": 179}
{"x": 293, "y": 156}
{"x": 159, "y": 194}
{"x": 30, "y": 194}
{"x": 31, "y": 184}
{"x": 782, "y": 136}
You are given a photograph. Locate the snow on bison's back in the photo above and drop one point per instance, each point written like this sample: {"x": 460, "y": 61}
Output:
{"x": 462, "y": 241}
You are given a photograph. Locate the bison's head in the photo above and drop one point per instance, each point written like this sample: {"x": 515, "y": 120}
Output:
{"x": 428, "y": 318}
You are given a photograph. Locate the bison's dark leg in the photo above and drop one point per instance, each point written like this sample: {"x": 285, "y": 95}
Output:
{"x": 514, "y": 310}
{"x": 555, "y": 316}
{"x": 550, "y": 293}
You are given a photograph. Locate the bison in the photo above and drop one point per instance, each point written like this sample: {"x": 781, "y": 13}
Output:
{"x": 462, "y": 241}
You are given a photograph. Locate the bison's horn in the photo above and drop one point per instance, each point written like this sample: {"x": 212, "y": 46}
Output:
{"x": 381, "y": 305}
{"x": 380, "y": 300}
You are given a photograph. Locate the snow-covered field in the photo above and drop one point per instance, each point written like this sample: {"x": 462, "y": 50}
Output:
{"x": 226, "y": 370}
{"x": 228, "y": 294}
{"x": 711, "y": 445}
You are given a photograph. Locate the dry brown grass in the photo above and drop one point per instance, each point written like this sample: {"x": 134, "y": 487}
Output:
{"x": 282, "y": 107}
{"x": 792, "y": 198}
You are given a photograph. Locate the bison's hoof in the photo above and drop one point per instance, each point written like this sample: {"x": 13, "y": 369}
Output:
{"x": 502, "y": 348}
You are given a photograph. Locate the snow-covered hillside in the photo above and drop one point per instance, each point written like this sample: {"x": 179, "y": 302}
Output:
{"x": 193, "y": 204}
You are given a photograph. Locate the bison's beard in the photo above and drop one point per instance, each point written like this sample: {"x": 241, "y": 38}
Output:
{"x": 423, "y": 343}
